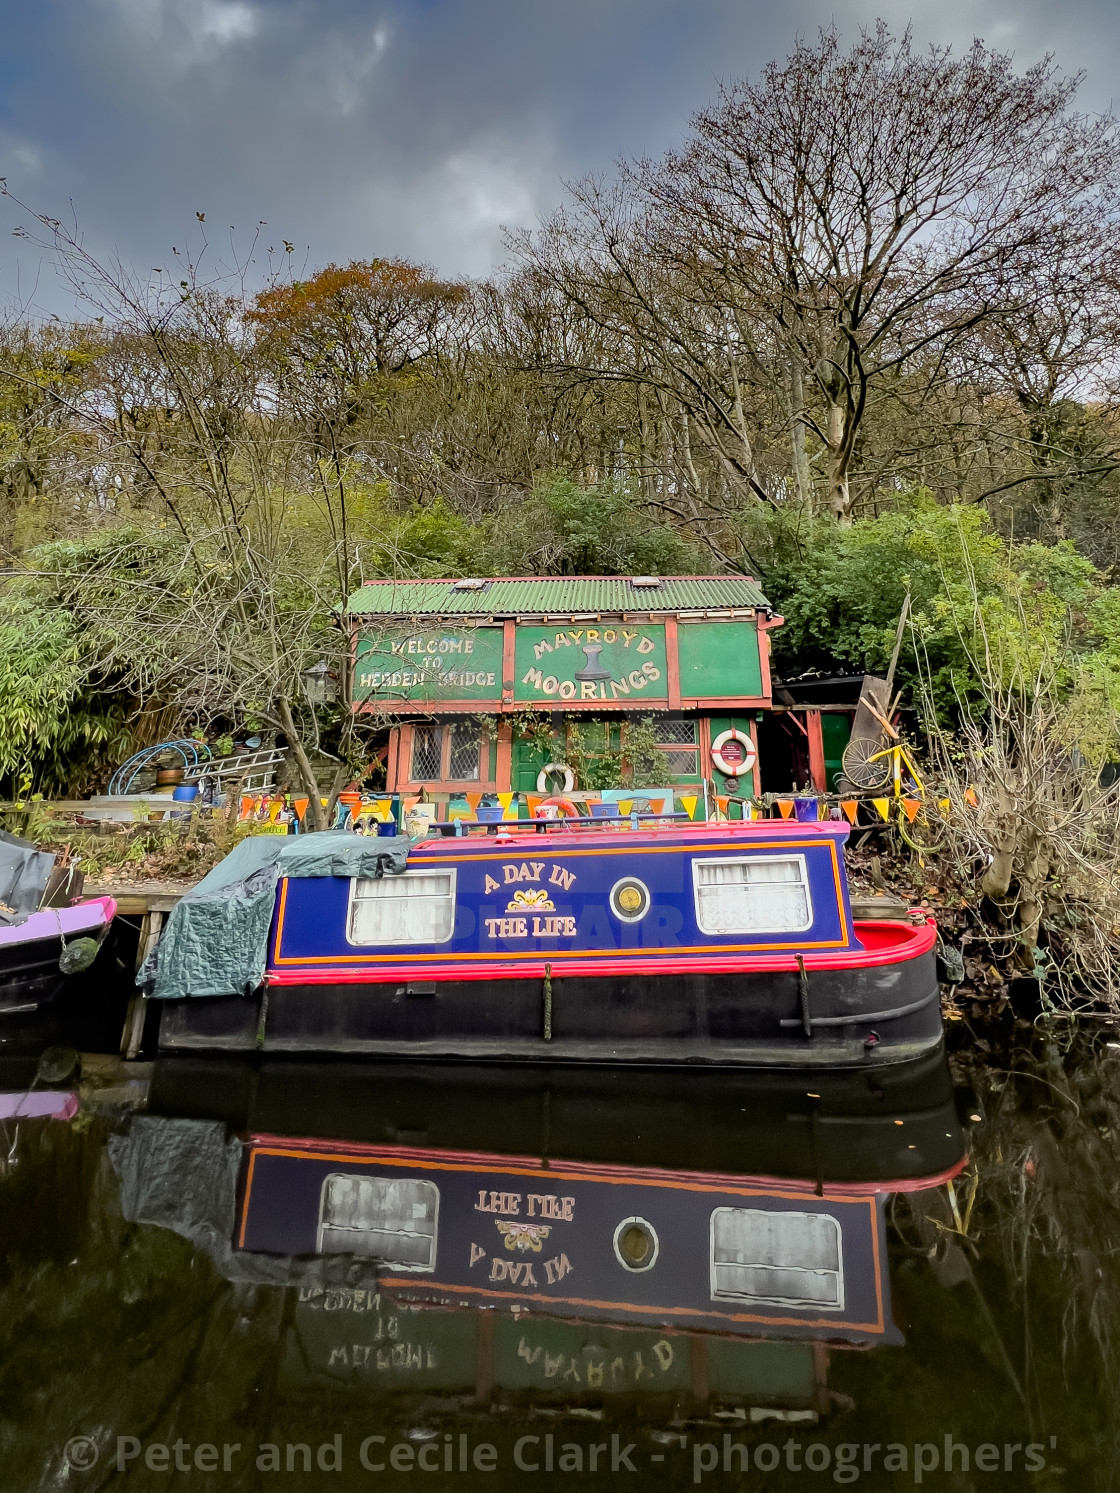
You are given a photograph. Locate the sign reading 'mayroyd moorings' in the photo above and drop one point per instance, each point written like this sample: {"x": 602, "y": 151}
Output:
{"x": 619, "y": 665}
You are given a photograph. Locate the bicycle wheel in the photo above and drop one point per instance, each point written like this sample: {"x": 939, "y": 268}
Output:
{"x": 861, "y": 770}
{"x": 924, "y": 833}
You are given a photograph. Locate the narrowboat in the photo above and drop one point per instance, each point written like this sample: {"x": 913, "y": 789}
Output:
{"x": 45, "y": 939}
{"x": 714, "y": 943}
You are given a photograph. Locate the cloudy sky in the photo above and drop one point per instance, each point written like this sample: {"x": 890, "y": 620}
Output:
{"x": 355, "y": 128}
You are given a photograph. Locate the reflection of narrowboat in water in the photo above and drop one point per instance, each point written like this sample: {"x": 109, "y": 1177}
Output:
{"x": 752, "y": 1211}
{"x": 717, "y": 944}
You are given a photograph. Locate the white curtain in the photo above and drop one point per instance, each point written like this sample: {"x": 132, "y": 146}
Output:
{"x": 415, "y": 908}
{"x": 752, "y": 896}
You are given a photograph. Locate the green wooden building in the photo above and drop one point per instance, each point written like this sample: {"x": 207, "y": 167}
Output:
{"x": 458, "y": 668}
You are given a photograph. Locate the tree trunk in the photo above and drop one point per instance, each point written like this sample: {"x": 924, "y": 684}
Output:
{"x": 839, "y": 496}
{"x": 797, "y": 436}
{"x": 303, "y": 762}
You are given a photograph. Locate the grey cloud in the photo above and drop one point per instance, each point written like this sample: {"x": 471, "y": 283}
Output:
{"x": 413, "y": 127}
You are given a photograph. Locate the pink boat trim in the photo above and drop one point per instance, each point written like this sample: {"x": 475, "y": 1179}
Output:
{"x": 86, "y": 917}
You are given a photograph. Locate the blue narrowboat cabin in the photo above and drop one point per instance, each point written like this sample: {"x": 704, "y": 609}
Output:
{"x": 716, "y": 943}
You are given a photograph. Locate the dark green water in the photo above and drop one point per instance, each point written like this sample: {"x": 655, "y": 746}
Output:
{"x": 163, "y": 1351}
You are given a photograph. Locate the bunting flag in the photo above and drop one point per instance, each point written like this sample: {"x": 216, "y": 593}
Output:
{"x": 274, "y": 808}
{"x": 823, "y": 810}
{"x": 474, "y": 799}
{"x": 534, "y": 801}
{"x": 721, "y": 803}
{"x": 301, "y": 806}
{"x": 246, "y": 808}
{"x": 883, "y": 805}
{"x": 785, "y": 807}
{"x": 971, "y": 799}
{"x": 505, "y": 799}
{"x": 409, "y": 803}
{"x": 851, "y": 808}
{"x": 381, "y": 808}
{"x": 625, "y": 805}
{"x": 688, "y": 804}
{"x": 911, "y": 805}
{"x": 355, "y": 810}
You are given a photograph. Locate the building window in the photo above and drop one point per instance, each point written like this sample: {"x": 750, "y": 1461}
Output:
{"x": 463, "y": 751}
{"x": 392, "y": 1219}
{"x": 677, "y": 753}
{"x": 784, "y": 1259}
{"x": 762, "y": 894}
{"x": 450, "y": 753}
{"x": 427, "y": 753}
{"x": 418, "y": 907}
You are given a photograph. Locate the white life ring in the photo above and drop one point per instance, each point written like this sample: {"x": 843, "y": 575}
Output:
{"x": 551, "y": 767}
{"x": 730, "y": 768}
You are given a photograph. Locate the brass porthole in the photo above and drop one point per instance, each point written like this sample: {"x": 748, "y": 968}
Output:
{"x": 636, "y": 1244}
{"x": 630, "y": 899}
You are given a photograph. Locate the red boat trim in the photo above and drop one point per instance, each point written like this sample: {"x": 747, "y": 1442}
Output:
{"x": 914, "y": 942}
{"x": 693, "y": 1181}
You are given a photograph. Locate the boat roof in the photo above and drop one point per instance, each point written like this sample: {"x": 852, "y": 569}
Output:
{"x": 531, "y": 835}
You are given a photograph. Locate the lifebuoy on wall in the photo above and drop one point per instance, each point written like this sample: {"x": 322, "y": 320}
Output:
{"x": 546, "y": 772}
{"x": 733, "y": 753}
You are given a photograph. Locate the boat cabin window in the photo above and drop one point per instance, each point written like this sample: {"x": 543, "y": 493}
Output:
{"x": 392, "y": 1219}
{"x": 756, "y": 894}
{"x": 418, "y": 907}
{"x": 785, "y": 1259}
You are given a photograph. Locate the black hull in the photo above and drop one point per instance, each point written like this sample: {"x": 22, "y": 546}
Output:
{"x": 897, "y": 1123}
{"x": 839, "y": 1018}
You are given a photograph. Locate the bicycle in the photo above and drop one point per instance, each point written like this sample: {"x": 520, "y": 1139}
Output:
{"x": 867, "y": 766}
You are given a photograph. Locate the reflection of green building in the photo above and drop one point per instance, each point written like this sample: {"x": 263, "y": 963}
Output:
{"x": 341, "y": 1338}
{"x": 461, "y": 667}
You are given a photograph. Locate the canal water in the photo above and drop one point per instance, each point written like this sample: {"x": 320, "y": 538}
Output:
{"x": 219, "y": 1275}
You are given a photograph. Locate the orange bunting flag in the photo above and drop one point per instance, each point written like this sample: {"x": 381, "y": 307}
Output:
{"x": 246, "y": 808}
{"x": 409, "y": 803}
{"x": 300, "y": 805}
{"x": 883, "y": 805}
{"x": 785, "y": 807}
{"x": 971, "y": 799}
{"x": 721, "y": 803}
{"x": 851, "y": 808}
{"x": 534, "y": 801}
{"x": 474, "y": 799}
{"x": 355, "y": 809}
{"x": 911, "y": 805}
{"x": 688, "y": 804}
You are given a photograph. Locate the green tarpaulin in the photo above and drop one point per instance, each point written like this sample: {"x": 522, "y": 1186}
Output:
{"x": 216, "y": 938}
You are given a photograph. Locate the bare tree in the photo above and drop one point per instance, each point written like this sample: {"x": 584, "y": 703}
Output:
{"x": 846, "y": 215}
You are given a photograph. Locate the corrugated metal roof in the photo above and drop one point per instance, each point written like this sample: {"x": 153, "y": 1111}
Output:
{"x": 556, "y": 596}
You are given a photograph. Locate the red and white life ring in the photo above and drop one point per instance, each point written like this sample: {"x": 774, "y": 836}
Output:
{"x": 547, "y": 772}
{"x": 733, "y": 753}
{"x": 564, "y": 807}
